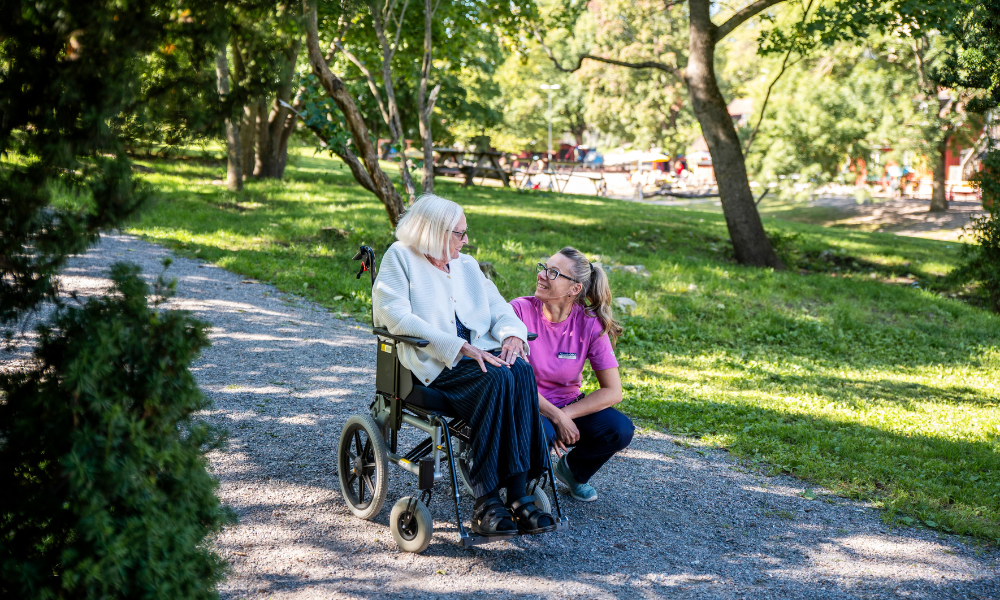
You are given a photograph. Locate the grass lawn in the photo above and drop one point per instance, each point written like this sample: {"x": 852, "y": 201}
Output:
{"x": 838, "y": 371}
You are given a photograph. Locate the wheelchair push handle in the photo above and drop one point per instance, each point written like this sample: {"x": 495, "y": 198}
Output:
{"x": 367, "y": 257}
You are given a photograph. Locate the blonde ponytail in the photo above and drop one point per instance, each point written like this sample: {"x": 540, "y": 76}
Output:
{"x": 596, "y": 294}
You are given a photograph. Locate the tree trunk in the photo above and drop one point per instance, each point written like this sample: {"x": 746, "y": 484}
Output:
{"x": 425, "y": 106}
{"x": 395, "y": 123}
{"x": 273, "y": 134}
{"x": 357, "y": 169}
{"x": 939, "y": 196}
{"x": 248, "y": 126}
{"x": 745, "y": 228}
{"x": 334, "y": 86}
{"x": 249, "y": 120}
{"x": 234, "y": 170}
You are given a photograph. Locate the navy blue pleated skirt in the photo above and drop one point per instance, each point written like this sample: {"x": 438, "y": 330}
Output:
{"x": 501, "y": 407}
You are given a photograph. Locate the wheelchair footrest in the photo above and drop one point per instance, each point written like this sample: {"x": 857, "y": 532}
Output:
{"x": 471, "y": 539}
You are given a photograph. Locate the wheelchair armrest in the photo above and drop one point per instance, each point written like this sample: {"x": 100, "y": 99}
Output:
{"x": 532, "y": 336}
{"x": 382, "y": 331}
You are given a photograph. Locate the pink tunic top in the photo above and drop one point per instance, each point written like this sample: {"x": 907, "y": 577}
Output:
{"x": 558, "y": 354}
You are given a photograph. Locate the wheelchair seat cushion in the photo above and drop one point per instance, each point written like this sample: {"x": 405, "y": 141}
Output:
{"x": 428, "y": 399}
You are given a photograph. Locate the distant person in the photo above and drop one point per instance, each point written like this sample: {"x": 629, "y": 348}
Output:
{"x": 571, "y": 312}
{"x": 681, "y": 165}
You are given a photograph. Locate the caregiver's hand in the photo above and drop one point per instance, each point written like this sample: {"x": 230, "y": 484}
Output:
{"x": 512, "y": 348}
{"x": 480, "y": 355}
{"x": 566, "y": 433}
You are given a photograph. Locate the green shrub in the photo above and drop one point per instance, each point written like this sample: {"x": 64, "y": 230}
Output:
{"x": 982, "y": 262}
{"x": 106, "y": 492}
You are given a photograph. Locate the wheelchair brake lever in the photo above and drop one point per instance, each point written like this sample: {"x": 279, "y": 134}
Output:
{"x": 364, "y": 267}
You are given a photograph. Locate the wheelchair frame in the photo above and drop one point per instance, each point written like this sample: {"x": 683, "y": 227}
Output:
{"x": 389, "y": 412}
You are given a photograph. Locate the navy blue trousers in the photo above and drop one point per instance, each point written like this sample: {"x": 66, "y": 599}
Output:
{"x": 602, "y": 434}
{"x": 501, "y": 407}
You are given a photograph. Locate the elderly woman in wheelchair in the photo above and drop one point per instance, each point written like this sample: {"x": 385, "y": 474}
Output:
{"x": 449, "y": 347}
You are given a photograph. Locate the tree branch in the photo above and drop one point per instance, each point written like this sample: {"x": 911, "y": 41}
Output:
{"x": 371, "y": 80}
{"x": 432, "y": 99}
{"x": 648, "y": 64}
{"x": 345, "y": 26}
{"x": 335, "y": 88}
{"x": 763, "y": 106}
{"x": 747, "y": 12}
{"x": 767, "y": 96}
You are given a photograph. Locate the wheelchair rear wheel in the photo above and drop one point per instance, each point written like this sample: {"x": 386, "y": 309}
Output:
{"x": 411, "y": 525}
{"x": 362, "y": 466}
{"x": 463, "y": 464}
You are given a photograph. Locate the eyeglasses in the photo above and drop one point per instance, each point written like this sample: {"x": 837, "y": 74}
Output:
{"x": 553, "y": 273}
{"x": 462, "y": 234}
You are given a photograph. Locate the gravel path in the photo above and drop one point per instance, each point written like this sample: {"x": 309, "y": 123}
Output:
{"x": 673, "y": 520}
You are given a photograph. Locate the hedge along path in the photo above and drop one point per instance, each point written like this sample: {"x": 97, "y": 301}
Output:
{"x": 673, "y": 519}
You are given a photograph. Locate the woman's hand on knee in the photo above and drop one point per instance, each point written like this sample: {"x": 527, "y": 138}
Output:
{"x": 512, "y": 348}
{"x": 481, "y": 356}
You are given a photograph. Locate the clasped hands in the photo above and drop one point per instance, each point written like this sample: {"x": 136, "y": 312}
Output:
{"x": 511, "y": 349}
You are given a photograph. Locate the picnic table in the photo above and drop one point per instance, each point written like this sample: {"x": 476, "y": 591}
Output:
{"x": 560, "y": 173}
{"x": 471, "y": 163}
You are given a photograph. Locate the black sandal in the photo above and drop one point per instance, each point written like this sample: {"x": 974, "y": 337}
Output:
{"x": 527, "y": 514}
{"x": 487, "y": 518}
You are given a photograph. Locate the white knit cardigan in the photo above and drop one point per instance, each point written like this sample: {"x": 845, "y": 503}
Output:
{"x": 412, "y": 297}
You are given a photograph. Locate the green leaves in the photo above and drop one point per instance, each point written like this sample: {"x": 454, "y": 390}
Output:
{"x": 982, "y": 261}
{"x": 103, "y": 464}
{"x": 322, "y": 117}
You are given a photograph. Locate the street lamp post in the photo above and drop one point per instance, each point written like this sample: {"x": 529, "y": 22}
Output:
{"x": 548, "y": 87}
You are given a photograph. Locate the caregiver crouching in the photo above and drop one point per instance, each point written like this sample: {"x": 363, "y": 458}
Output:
{"x": 571, "y": 311}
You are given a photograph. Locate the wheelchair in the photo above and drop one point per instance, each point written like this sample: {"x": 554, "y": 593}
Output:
{"x": 369, "y": 442}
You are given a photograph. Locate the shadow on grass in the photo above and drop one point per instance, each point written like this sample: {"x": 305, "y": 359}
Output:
{"x": 952, "y": 481}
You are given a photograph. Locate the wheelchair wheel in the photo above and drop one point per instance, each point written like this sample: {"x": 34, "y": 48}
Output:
{"x": 362, "y": 466}
{"x": 463, "y": 464}
{"x": 411, "y": 525}
{"x": 542, "y": 500}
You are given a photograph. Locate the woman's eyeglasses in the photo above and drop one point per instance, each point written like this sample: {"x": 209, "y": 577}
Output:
{"x": 553, "y": 273}
{"x": 462, "y": 234}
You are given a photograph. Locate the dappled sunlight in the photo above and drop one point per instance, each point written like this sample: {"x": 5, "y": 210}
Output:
{"x": 889, "y": 559}
{"x": 872, "y": 386}
{"x": 568, "y": 219}
{"x": 300, "y": 419}
{"x": 240, "y": 389}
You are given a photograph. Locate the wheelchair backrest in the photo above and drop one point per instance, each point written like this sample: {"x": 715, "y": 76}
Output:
{"x": 391, "y": 377}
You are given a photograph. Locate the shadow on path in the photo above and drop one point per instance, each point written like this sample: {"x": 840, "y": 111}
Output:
{"x": 671, "y": 521}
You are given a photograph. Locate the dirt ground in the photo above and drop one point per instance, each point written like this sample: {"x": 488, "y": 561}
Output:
{"x": 908, "y": 216}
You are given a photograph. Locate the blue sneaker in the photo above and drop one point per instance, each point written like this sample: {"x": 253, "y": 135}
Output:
{"x": 581, "y": 491}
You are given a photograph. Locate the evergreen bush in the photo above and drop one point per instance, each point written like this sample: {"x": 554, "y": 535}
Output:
{"x": 105, "y": 488}
{"x": 983, "y": 260}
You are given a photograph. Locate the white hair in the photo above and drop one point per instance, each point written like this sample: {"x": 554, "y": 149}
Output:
{"x": 427, "y": 225}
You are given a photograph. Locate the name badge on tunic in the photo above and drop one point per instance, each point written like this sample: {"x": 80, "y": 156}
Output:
{"x": 568, "y": 355}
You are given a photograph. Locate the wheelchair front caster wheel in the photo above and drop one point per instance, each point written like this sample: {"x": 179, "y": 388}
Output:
{"x": 411, "y": 524}
{"x": 542, "y": 500}
{"x": 362, "y": 466}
